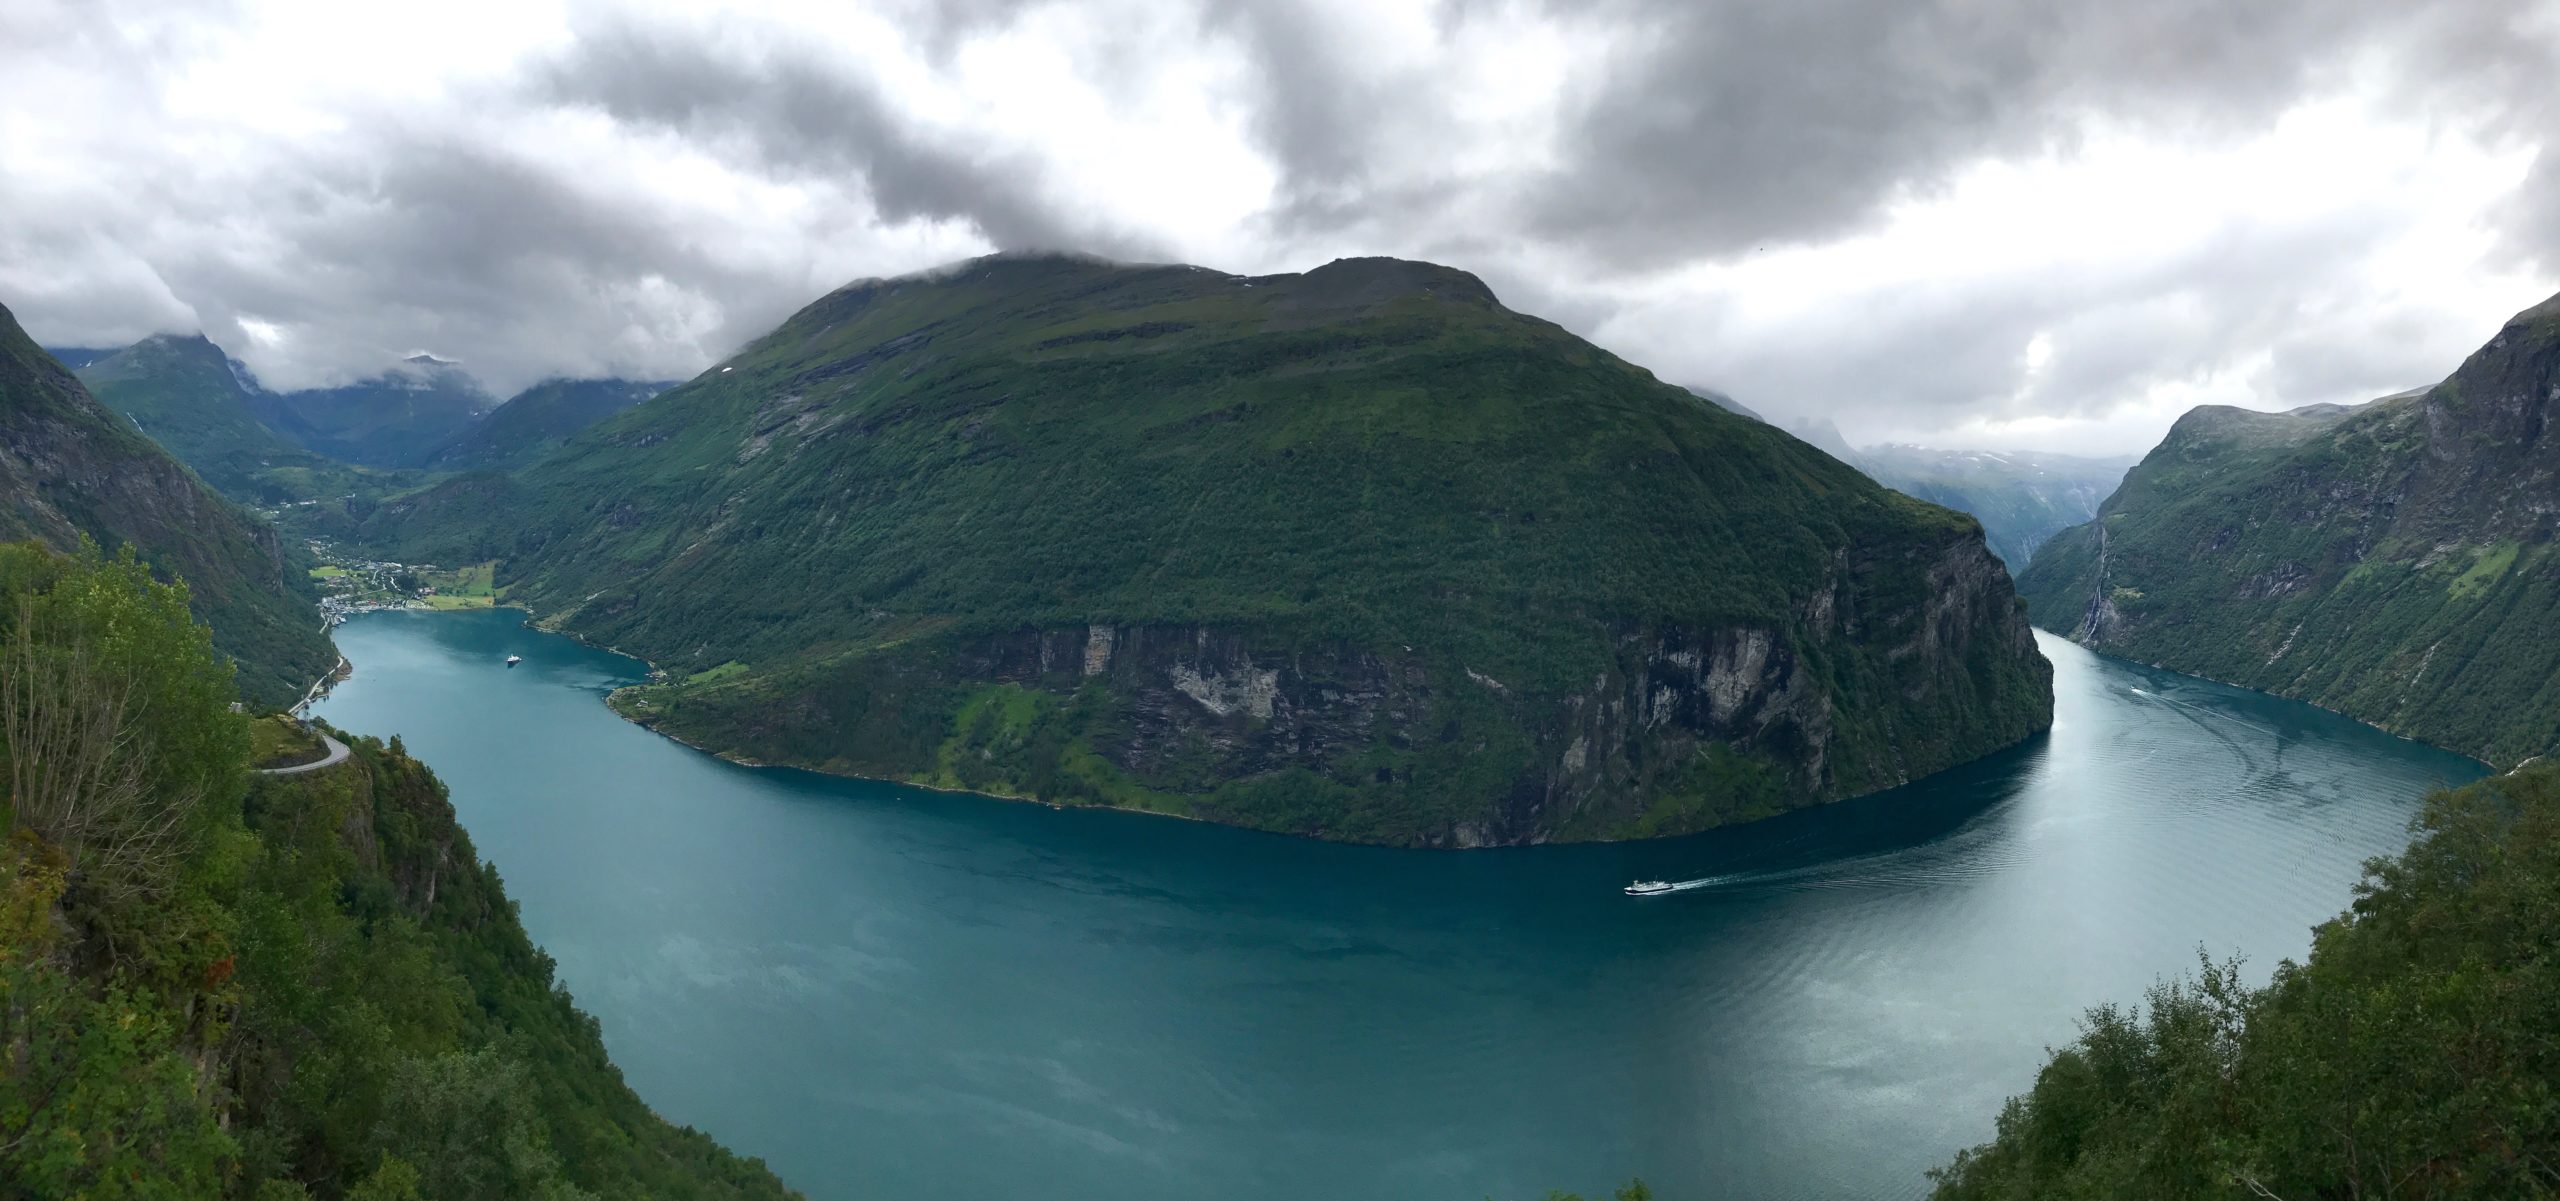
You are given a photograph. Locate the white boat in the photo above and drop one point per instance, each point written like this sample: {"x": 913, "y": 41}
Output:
{"x": 1647, "y": 888}
{"x": 512, "y": 660}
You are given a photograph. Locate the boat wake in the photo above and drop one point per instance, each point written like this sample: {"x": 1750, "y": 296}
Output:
{"x": 2199, "y": 709}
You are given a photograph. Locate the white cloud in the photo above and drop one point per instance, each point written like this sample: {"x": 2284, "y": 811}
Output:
{"x": 2059, "y": 228}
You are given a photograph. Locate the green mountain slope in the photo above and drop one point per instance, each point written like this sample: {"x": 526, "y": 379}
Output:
{"x": 225, "y": 985}
{"x": 70, "y": 468}
{"x": 2022, "y": 498}
{"x": 2393, "y": 561}
{"x": 182, "y": 392}
{"x": 2410, "y": 1056}
{"x": 536, "y": 421}
{"x": 1356, "y": 552}
{"x": 395, "y": 419}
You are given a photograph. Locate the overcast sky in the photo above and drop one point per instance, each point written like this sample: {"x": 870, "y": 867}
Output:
{"x": 2011, "y": 223}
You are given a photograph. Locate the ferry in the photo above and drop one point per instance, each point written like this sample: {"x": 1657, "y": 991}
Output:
{"x": 1647, "y": 888}
{"x": 512, "y": 660}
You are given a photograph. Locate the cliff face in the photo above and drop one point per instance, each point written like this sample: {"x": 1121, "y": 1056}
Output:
{"x": 70, "y": 468}
{"x": 1681, "y": 729}
{"x": 2393, "y": 560}
{"x": 1355, "y": 552}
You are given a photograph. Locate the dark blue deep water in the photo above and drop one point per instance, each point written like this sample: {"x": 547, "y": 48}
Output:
{"x": 887, "y": 992}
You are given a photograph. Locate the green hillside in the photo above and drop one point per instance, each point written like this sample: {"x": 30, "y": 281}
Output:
{"x": 70, "y": 468}
{"x": 536, "y": 421}
{"x": 182, "y": 392}
{"x": 1356, "y": 552}
{"x": 2393, "y": 561}
{"x": 269, "y": 988}
{"x": 2410, "y": 1056}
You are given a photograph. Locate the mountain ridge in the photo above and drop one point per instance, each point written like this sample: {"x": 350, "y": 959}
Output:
{"x": 1354, "y": 552}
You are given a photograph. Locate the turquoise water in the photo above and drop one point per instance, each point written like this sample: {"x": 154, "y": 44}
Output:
{"x": 887, "y": 992}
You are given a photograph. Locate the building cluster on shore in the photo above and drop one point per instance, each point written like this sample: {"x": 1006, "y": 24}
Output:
{"x": 352, "y": 586}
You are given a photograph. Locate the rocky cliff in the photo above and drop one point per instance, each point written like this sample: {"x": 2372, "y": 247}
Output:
{"x": 2393, "y": 560}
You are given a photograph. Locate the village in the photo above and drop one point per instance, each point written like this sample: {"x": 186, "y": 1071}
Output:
{"x": 349, "y": 586}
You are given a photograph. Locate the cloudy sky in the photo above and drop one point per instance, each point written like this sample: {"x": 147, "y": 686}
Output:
{"x": 2017, "y": 223}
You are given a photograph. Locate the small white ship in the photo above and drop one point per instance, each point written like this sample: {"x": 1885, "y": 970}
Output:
{"x": 512, "y": 660}
{"x": 1647, "y": 888}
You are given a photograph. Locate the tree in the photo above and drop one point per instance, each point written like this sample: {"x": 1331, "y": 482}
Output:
{"x": 115, "y": 731}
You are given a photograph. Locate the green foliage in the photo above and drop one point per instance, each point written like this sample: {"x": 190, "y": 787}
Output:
{"x": 279, "y": 741}
{"x": 2409, "y": 1056}
{"x": 99, "y": 1098}
{"x": 313, "y": 989}
{"x": 1370, "y": 459}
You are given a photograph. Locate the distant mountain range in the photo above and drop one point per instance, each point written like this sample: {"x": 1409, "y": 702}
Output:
{"x": 278, "y": 448}
{"x": 396, "y": 419}
{"x": 2022, "y": 498}
{"x": 1356, "y": 553}
{"x": 2393, "y": 560}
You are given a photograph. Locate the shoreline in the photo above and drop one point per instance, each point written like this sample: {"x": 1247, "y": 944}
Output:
{"x": 2376, "y": 727}
{"x": 657, "y": 674}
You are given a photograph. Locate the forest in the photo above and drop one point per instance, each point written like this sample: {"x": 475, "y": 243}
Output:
{"x": 219, "y": 983}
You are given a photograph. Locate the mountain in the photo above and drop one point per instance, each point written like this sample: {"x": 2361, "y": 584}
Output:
{"x": 1357, "y": 553}
{"x": 395, "y": 419}
{"x": 182, "y": 391}
{"x": 2022, "y": 498}
{"x": 2393, "y": 560}
{"x": 70, "y": 467}
{"x": 537, "y": 420}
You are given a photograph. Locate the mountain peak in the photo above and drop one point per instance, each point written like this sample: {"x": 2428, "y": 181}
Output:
{"x": 1374, "y": 280}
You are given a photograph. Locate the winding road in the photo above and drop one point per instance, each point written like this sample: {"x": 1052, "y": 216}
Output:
{"x": 337, "y": 755}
